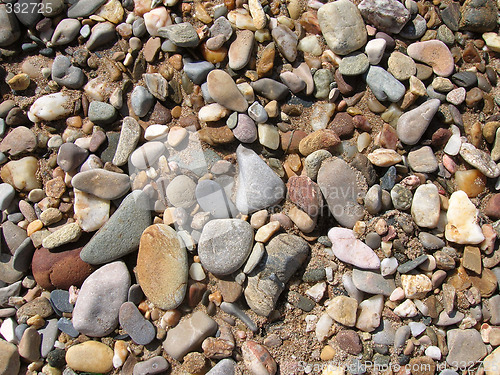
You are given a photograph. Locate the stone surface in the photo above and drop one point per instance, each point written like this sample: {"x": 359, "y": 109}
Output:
{"x": 224, "y": 245}
{"x": 434, "y": 53}
{"x": 241, "y": 49}
{"x": 212, "y": 198}
{"x": 349, "y": 249}
{"x": 224, "y": 91}
{"x": 425, "y": 207}
{"x": 341, "y": 186}
{"x": 373, "y": 283}
{"x": 90, "y": 356}
{"x": 413, "y": 124}
{"x": 162, "y": 268}
{"x": 258, "y": 186}
{"x": 189, "y": 334}
{"x": 342, "y": 26}
{"x": 121, "y": 233}
{"x": 389, "y": 16}
{"x": 462, "y": 224}
{"x": 383, "y": 84}
{"x": 343, "y": 310}
{"x": 464, "y": 346}
{"x": 140, "y": 330}
{"x": 99, "y": 300}
{"x": 9, "y": 358}
{"x": 102, "y": 183}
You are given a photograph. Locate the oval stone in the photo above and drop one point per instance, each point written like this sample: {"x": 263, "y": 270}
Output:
{"x": 162, "y": 266}
{"x": 90, "y": 356}
{"x": 224, "y": 91}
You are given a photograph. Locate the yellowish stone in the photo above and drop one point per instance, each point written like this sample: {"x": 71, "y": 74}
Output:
{"x": 90, "y": 356}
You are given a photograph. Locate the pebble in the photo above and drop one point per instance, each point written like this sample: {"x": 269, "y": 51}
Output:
{"x": 50, "y": 107}
{"x": 383, "y": 157}
{"x": 224, "y": 91}
{"x": 373, "y": 283}
{"x": 257, "y": 112}
{"x": 102, "y": 183}
{"x": 285, "y": 254}
{"x": 212, "y": 198}
{"x": 223, "y": 367}
{"x": 425, "y": 207}
{"x": 479, "y": 159}
{"x": 151, "y": 22}
{"x": 414, "y": 29}
{"x": 389, "y": 16}
{"x": 161, "y": 249}
{"x": 91, "y": 212}
{"x": 342, "y": 27}
{"x": 354, "y": 64}
{"x": 66, "y": 74}
{"x": 189, "y": 334}
{"x": 478, "y": 17}
{"x": 434, "y": 53}
{"x": 70, "y": 156}
{"x": 181, "y": 192}
{"x": 383, "y": 84}
{"x": 343, "y": 309}
{"x": 68, "y": 233}
{"x": 270, "y": 89}
{"x": 257, "y": 358}
{"x": 349, "y": 249}
{"x": 374, "y": 50}
{"x": 369, "y": 313}
{"x": 339, "y": 184}
{"x": 241, "y": 49}
{"x": 7, "y": 194}
{"x": 127, "y": 223}
{"x": 413, "y": 124}
{"x": 224, "y": 245}
{"x": 198, "y": 71}
{"x": 29, "y": 346}
{"x": 38, "y": 306}
{"x": 140, "y": 330}
{"x": 90, "y": 356}
{"x": 259, "y": 187}
{"x": 21, "y": 174}
{"x": 464, "y": 345}
{"x": 462, "y": 224}
{"x": 101, "y": 34}
{"x": 286, "y": 41}
{"x": 147, "y": 155}
{"x": 65, "y": 32}
{"x": 245, "y": 130}
{"x": 99, "y": 300}
{"x": 9, "y": 32}
{"x": 155, "y": 365}
{"x": 141, "y": 101}
{"x": 129, "y": 137}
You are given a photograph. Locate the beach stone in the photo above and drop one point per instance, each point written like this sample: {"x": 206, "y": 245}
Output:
{"x": 181, "y": 192}
{"x": 465, "y": 79}
{"x": 189, "y": 334}
{"x": 18, "y": 141}
{"x": 70, "y": 156}
{"x": 101, "y": 113}
{"x": 479, "y": 159}
{"x": 121, "y": 233}
{"x": 60, "y": 269}
{"x": 241, "y": 50}
{"x": 286, "y": 41}
{"x": 425, "y": 207}
{"x": 224, "y": 245}
{"x": 270, "y": 89}
{"x": 343, "y": 310}
{"x": 91, "y": 212}
{"x": 21, "y": 174}
{"x": 65, "y": 32}
{"x": 68, "y": 233}
{"x": 374, "y": 50}
{"x": 141, "y": 101}
{"x": 29, "y": 346}
{"x": 157, "y": 85}
{"x": 354, "y": 64}
{"x": 84, "y": 8}
{"x": 434, "y": 53}
{"x": 9, "y": 358}
{"x": 50, "y": 107}
{"x": 293, "y": 81}
{"x": 155, "y": 365}
{"x": 465, "y": 346}
{"x": 462, "y": 227}
{"x": 373, "y": 283}
{"x": 182, "y": 34}
{"x": 147, "y": 155}
{"x": 9, "y": 31}
{"x": 306, "y": 194}
{"x": 342, "y": 26}
{"x": 129, "y": 137}
{"x": 221, "y": 26}
{"x": 285, "y": 254}
{"x": 413, "y": 124}
{"x": 102, "y": 34}
{"x": 99, "y": 300}
{"x": 258, "y": 186}
{"x": 491, "y": 210}
{"x": 322, "y": 139}
{"x": 162, "y": 267}
{"x": 348, "y": 340}
{"x": 401, "y": 66}
{"x": 416, "y": 286}
{"x": 140, "y": 330}
{"x": 490, "y": 363}
{"x": 478, "y": 16}
{"x": 90, "y": 356}
{"x": 7, "y": 194}
{"x": 223, "y": 367}
{"x": 212, "y": 198}
{"x": 341, "y": 186}
{"x": 369, "y": 313}
{"x": 245, "y": 130}
{"x": 198, "y": 71}
{"x": 102, "y": 183}
{"x": 66, "y": 74}
{"x": 224, "y": 91}
{"x": 38, "y": 306}
{"x": 383, "y": 84}
{"x": 414, "y": 29}
{"x": 423, "y": 160}
{"x": 257, "y": 358}
{"x": 389, "y": 16}
{"x": 349, "y": 249}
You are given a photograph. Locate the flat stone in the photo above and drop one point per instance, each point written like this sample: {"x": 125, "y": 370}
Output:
{"x": 19, "y": 140}
{"x": 224, "y": 91}
{"x": 70, "y": 156}
{"x": 412, "y": 264}
{"x": 212, "y": 198}
{"x": 258, "y": 358}
{"x": 224, "y": 245}
{"x": 224, "y": 367}
{"x": 121, "y": 233}
{"x": 197, "y": 71}
{"x": 383, "y": 84}
{"x": 286, "y": 41}
{"x": 369, "y": 314}
{"x": 7, "y": 194}
{"x": 147, "y": 155}
{"x": 99, "y": 300}
{"x": 478, "y": 16}
{"x": 348, "y": 340}
{"x": 189, "y": 334}
{"x": 341, "y": 185}
{"x": 9, "y": 358}
{"x": 102, "y": 34}
{"x": 84, "y": 8}
{"x": 258, "y": 186}
{"x": 270, "y": 89}
{"x": 349, "y": 249}
{"x": 462, "y": 218}
{"x": 66, "y": 74}
{"x": 102, "y": 183}
{"x": 389, "y": 16}
{"x": 68, "y": 233}
{"x": 155, "y": 365}
{"x": 10, "y": 31}
{"x": 39, "y": 306}
{"x": 401, "y": 66}
{"x": 162, "y": 268}
{"x": 425, "y": 207}
{"x": 343, "y": 310}
{"x": 285, "y": 254}
{"x": 140, "y": 330}
{"x": 141, "y": 101}
{"x": 479, "y": 159}
{"x": 241, "y": 50}
{"x": 342, "y": 26}
{"x": 245, "y": 130}
{"x": 423, "y": 160}
{"x": 416, "y": 286}
{"x": 29, "y": 346}
{"x": 181, "y": 192}
{"x": 373, "y": 283}
{"x": 306, "y": 194}
{"x": 465, "y": 346}
{"x": 414, "y": 29}
{"x": 354, "y": 64}
{"x": 434, "y": 53}
{"x": 182, "y": 34}
{"x": 65, "y": 32}
{"x": 90, "y": 356}
{"x": 413, "y": 124}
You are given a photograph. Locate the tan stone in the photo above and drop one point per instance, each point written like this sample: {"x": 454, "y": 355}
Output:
{"x": 90, "y": 356}
{"x": 343, "y": 310}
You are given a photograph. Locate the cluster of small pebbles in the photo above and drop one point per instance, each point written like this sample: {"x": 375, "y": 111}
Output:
{"x": 249, "y": 187}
